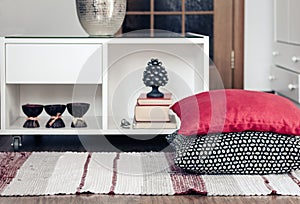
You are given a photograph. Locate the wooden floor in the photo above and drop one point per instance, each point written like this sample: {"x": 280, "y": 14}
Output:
{"x": 116, "y": 199}
{"x": 118, "y": 143}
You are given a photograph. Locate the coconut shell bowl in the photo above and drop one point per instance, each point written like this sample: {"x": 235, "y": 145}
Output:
{"x": 32, "y": 111}
{"x": 77, "y": 110}
{"x": 55, "y": 111}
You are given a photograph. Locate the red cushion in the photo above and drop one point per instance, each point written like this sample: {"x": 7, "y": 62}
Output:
{"x": 233, "y": 110}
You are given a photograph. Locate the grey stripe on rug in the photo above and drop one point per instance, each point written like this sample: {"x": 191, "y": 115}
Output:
{"x": 143, "y": 174}
{"x": 148, "y": 173}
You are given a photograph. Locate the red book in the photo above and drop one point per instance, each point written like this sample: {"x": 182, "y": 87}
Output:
{"x": 166, "y": 100}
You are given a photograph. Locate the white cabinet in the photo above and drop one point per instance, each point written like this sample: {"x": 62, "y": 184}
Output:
{"x": 105, "y": 72}
{"x": 286, "y": 82}
{"x": 287, "y": 56}
{"x": 286, "y": 49}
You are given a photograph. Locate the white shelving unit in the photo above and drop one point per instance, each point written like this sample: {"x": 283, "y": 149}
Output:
{"x": 285, "y": 70}
{"x": 105, "y": 72}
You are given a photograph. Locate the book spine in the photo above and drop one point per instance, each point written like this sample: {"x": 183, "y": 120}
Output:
{"x": 152, "y": 113}
{"x": 141, "y": 103}
{"x": 156, "y": 125}
{"x": 165, "y": 101}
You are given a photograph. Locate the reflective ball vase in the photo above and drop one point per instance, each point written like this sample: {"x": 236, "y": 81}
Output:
{"x": 101, "y": 17}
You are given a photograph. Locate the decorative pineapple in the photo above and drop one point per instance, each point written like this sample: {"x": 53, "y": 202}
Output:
{"x": 155, "y": 76}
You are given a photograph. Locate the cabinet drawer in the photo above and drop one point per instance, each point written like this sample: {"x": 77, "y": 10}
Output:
{"x": 54, "y": 63}
{"x": 287, "y": 56}
{"x": 285, "y": 82}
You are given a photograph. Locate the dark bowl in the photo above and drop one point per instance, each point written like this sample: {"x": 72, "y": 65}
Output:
{"x": 32, "y": 110}
{"x": 78, "y": 109}
{"x": 54, "y": 109}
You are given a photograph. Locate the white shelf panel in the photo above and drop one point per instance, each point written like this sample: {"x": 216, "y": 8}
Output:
{"x": 139, "y": 132}
{"x": 114, "y": 128}
{"x": 158, "y": 40}
{"x": 94, "y": 126}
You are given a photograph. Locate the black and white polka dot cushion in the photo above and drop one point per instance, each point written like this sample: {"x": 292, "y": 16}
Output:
{"x": 237, "y": 153}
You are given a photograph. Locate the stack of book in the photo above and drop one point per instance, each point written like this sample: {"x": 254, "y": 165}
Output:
{"x": 154, "y": 112}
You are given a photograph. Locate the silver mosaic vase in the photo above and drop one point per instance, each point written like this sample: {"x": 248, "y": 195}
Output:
{"x": 101, "y": 17}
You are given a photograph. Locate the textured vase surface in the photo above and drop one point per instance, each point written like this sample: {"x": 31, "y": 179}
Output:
{"x": 101, "y": 17}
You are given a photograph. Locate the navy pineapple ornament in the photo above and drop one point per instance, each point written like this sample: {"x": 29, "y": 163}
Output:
{"x": 155, "y": 76}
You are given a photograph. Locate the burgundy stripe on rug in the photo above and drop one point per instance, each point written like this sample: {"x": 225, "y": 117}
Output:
{"x": 273, "y": 191}
{"x": 88, "y": 159}
{"x": 294, "y": 178}
{"x": 115, "y": 172}
{"x": 185, "y": 183}
{"x": 188, "y": 184}
{"x": 10, "y": 162}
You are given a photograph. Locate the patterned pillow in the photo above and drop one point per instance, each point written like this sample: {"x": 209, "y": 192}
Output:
{"x": 237, "y": 153}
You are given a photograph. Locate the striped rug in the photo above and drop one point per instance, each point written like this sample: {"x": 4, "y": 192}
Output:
{"x": 153, "y": 173}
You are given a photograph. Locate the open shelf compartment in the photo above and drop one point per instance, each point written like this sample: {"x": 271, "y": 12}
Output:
{"x": 126, "y": 63}
{"x": 19, "y": 94}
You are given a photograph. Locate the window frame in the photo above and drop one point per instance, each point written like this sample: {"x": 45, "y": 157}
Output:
{"x": 152, "y": 13}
